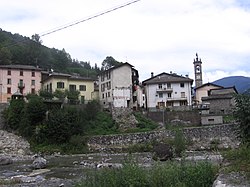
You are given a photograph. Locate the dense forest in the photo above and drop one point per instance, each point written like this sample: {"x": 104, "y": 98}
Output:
{"x": 17, "y": 49}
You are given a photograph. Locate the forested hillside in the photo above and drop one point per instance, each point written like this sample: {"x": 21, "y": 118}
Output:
{"x": 17, "y": 49}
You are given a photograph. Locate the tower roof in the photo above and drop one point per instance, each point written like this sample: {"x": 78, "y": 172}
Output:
{"x": 197, "y": 60}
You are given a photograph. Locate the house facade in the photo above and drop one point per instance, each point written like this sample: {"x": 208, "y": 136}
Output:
{"x": 60, "y": 81}
{"x": 117, "y": 86}
{"x": 204, "y": 91}
{"x": 168, "y": 91}
{"x": 221, "y": 100}
{"x": 18, "y": 78}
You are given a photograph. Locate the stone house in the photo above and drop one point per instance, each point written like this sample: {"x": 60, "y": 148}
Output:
{"x": 85, "y": 85}
{"x": 118, "y": 85}
{"x": 168, "y": 90}
{"x": 221, "y": 100}
{"x": 204, "y": 91}
{"x": 23, "y": 79}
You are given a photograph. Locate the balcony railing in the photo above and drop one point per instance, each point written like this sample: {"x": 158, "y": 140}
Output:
{"x": 164, "y": 89}
{"x": 21, "y": 85}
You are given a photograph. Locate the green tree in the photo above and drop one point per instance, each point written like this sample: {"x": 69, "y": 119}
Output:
{"x": 242, "y": 114}
{"x": 46, "y": 94}
{"x": 14, "y": 113}
{"x": 92, "y": 108}
{"x": 5, "y": 56}
{"x": 60, "y": 94}
{"x": 36, "y": 38}
{"x": 73, "y": 96}
{"x": 109, "y": 62}
{"x": 36, "y": 110}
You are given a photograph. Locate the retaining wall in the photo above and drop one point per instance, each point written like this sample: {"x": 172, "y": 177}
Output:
{"x": 224, "y": 136}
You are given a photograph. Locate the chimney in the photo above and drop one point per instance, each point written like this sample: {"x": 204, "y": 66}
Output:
{"x": 152, "y": 74}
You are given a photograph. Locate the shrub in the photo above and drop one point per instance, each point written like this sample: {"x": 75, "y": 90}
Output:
{"x": 179, "y": 143}
{"x": 163, "y": 175}
{"x": 242, "y": 115}
{"x": 144, "y": 123}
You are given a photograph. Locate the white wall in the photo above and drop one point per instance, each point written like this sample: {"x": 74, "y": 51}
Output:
{"x": 152, "y": 99}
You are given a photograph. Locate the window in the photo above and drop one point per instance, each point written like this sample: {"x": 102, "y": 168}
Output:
{"x": 82, "y": 87}
{"x": 170, "y": 103}
{"x": 183, "y": 103}
{"x": 8, "y": 90}
{"x": 169, "y": 95}
{"x": 9, "y": 72}
{"x": 160, "y": 86}
{"x": 160, "y": 95}
{"x": 102, "y": 87}
{"x": 109, "y": 85}
{"x": 33, "y": 82}
{"x": 161, "y": 104}
{"x": 21, "y": 72}
{"x": 108, "y": 94}
{"x": 108, "y": 75}
{"x": 103, "y": 95}
{"x": 72, "y": 87}
{"x": 21, "y": 84}
{"x": 50, "y": 87}
{"x": 102, "y": 77}
{"x": 182, "y": 94}
{"x": 168, "y": 85}
{"x": 182, "y": 85}
{"x": 33, "y": 73}
{"x": 33, "y": 90}
{"x": 8, "y": 81}
{"x": 82, "y": 99}
{"x": 60, "y": 84}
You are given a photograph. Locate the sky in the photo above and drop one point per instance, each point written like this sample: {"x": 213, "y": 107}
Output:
{"x": 152, "y": 35}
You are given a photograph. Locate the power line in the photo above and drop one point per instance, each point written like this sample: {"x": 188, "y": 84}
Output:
{"x": 89, "y": 18}
{"x": 77, "y": 22}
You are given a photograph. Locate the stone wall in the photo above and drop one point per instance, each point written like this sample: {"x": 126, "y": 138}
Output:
{"x": 202, "y": 138}
{"x": 172, "y": 117}
{"x": 12, "y": 144}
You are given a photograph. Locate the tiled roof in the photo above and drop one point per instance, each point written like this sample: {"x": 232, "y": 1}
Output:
{"x": 167, "y": 78}
{"x": 24, "y": 67}
{"x": 72, "y": 77}
{"x": 115, "y": 67}
{"x": 208, "y": 84}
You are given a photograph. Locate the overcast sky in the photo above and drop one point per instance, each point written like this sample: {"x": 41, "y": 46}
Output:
{"x": 152, "y": 35}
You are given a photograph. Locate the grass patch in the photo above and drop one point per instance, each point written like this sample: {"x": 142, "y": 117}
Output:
{"x": 239, "y": 160}
{"x": 164, "y": 175}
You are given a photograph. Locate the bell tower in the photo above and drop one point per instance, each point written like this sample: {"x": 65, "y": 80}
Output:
{"x": 197, "y": 71}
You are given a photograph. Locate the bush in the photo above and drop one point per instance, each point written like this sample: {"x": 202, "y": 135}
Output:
{"x": 242, "y": 115}
{"x": 144, "y": 123}
{"x": 163, "y": 175}
{"x": 14, "y": 113}
{"x": 238, "y": 159}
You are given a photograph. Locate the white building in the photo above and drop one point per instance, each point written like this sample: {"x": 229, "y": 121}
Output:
{"x": 116, "y": 86}
{"x": 168, "y": 90}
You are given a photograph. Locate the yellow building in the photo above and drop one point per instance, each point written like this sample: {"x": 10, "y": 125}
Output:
{"x": 85, "y": 85}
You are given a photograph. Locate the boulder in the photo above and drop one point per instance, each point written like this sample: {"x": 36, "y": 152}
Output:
{"x": 5, "y": 160}
{"x": 39, "y": 163}
{"x": 162, "y": 152}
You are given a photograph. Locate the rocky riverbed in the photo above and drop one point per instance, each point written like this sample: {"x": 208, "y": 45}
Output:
{"x": 17, "y": 167}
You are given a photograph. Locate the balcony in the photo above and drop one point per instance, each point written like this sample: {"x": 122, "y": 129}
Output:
{"x": 21, "y": 85}
{"x": 177, "y": 99}
{"x": 164, "y": 89}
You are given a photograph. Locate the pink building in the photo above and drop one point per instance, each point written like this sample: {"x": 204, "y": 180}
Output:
{"x": 18, "y": 78}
